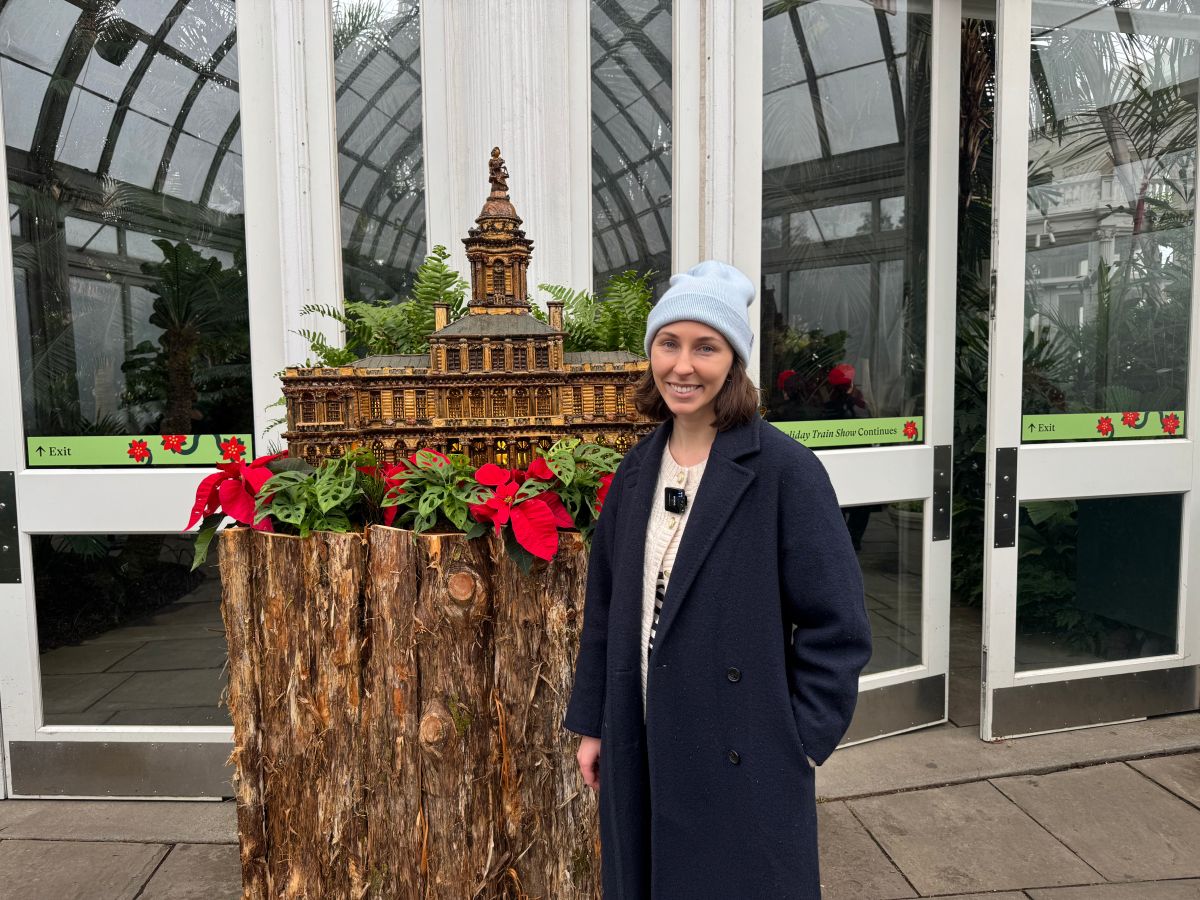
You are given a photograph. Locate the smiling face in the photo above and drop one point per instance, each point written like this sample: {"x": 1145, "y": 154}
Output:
{"x": 690, "y": 362}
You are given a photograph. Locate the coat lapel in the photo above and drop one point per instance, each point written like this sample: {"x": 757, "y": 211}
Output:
{"x": 721, "y": 489}
{"x": 629, "y": 560}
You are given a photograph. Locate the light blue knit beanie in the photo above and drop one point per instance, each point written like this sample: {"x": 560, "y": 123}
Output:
{"x": 714, "y": 293}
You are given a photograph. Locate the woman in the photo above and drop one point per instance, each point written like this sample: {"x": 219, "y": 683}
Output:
{"x": 697, "y": 702}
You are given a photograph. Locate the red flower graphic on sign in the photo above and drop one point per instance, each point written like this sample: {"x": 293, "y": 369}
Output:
{"x": 232, "y": 449}
{"x": 1105, "y": 425}
{"x": 173, "y": 442}
{"x": 1170, "y": 423}
{"x": 138, "y": 451}
{"x": 910, "y": 430}
{"x": 1129, "y": 418}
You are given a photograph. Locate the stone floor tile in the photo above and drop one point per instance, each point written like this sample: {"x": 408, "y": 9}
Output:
{"x": 990, "y": 895}
{"x": 188, "y": 614}
{"x": 74, "y": 870}
{"x": 887, "y": 654}
{"x": 197, "y": 872}
{"x": 84, "y": 658}
{"x": 1178, "y": 774}
{"x": 1123, "y": 825}
{"x": 902, "y": 762}
{"x": 1188, "y": 889}
{"x": 964, "y": 696}
{"x": 77, "y": 693}
{"x": 165, "y": 821}
{"x": 162, "y": 632}
{"x": 87, "y": 717}
{"x": 163, "y": 690}
{"x": 852, "y": 865}
{"x": 967, "y": 838}
{"x": 157, "y": 656}
{"x": 181, "y": 715}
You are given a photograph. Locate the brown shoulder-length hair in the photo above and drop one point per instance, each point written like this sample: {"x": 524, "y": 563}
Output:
{"x": 735, "y": 405}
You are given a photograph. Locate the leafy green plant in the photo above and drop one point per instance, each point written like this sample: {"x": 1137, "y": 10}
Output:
{"x": 614, "y": 320}
{"x": 384, "y": 327}
{"x": 564, "y": 487}
{"x": 311, "y": 499}
{"x": 431, "y": 489}
{"x": 198, "y": 369}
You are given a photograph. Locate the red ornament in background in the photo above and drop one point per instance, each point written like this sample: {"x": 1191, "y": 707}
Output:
{"x": 782, "y": 377}
{"x": 841, "y": 375}
{"x": 1105, "y": 425}
{"x": 232, "y": 449}
{"x": 910, "y": 430}
{"x": 1129, "y": 418}
{"x": 1170, "y": 423}
{"x": 138, "y": 451}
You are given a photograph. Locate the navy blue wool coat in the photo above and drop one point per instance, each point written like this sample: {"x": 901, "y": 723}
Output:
{"x": 712, "y": 798}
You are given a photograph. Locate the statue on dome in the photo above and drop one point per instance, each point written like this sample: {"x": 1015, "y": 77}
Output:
{"x": 497, "y": 175}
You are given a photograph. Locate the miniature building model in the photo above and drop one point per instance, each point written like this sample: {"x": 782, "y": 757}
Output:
{"x": 494, "y": 384}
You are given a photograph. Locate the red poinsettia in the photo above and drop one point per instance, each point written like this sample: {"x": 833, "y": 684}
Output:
{"x": 1129, "y": 418}
{"x": 602, "y": 493}
{"x": 535, "y": 519}
{"x": 910, "y": 430}
{"x": 138, "y": 451}
{"x": 1170, "y": 423}
{"x": 1104, "y": 425}
{"x": 232, "y": 489}
{"x": 232, "y": 449}
{"x": 841, "y": 375}
{"x": 173, "y": 442}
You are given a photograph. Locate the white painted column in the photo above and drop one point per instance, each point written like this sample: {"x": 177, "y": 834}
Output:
{"x": 513, "y": 75}
{"x": 289, "y": 146}
{"x": 717, "y": 174}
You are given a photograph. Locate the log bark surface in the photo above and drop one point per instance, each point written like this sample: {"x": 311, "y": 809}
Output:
{"x": 240, "y": 612}
{"x": 397, "y": 701}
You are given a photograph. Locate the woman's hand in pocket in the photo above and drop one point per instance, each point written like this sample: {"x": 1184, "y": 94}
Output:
{"x": 588, "y": 756}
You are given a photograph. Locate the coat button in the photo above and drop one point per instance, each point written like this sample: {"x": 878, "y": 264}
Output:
{"x": 734, "y": 758}
{"x": 734, "y": 675}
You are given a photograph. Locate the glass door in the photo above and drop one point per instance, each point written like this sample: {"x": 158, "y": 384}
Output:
{"x": 1091, "y": 489}
{"x": 859, "y": 119}
{"x": 127, "y": 365}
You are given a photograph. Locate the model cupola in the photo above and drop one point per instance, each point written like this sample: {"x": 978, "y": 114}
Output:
{"x": 497, "y": 250}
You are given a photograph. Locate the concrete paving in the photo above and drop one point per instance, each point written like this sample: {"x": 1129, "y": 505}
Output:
{"x": 1102, "y": 814}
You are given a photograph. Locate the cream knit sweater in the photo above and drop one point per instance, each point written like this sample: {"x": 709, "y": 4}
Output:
{"x": 663, "y": 533}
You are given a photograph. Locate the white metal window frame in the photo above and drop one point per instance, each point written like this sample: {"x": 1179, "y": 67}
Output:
{"x": 290, "y": 197}
{"x": 718, "y": 55}
{"x": 1062, "y": 471}
{"x": 292, "y": 204}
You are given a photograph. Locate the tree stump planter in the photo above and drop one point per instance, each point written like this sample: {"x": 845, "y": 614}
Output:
{"x": 396, "y": 701}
